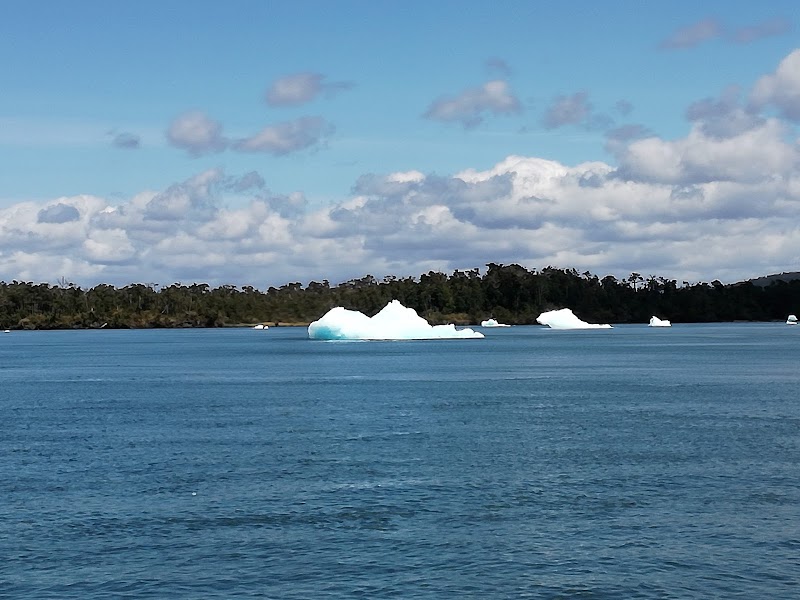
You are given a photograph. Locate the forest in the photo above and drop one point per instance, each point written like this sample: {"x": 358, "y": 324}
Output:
{"x": 508, "y": 293}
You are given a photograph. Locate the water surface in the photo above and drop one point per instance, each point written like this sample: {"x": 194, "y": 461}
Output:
{"x": 625, "y": 463}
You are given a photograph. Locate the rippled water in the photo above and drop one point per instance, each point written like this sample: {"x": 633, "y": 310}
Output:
{"x": 625, "y": 463}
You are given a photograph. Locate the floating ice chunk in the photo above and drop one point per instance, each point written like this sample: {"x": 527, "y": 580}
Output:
{"x": 260, "y": 326}
{"x": 492, "y": 323}
{"x": 393, "y": 322}
{"x": 791, "y": 320}
{"x": 566, "y": 319}
{"x": 656, "y": 322}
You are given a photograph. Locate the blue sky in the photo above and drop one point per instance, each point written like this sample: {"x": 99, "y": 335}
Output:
{"x": 257, "y": 143}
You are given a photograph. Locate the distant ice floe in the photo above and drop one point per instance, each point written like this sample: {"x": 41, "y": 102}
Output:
{"x": 791, "y": 320}
{"x": 260, "y": 326}
{"x": 393, "y": 322}
{"x": 493, "y": 323}
{"x": 656, "y": 322}
{"x": 566, "y": 319}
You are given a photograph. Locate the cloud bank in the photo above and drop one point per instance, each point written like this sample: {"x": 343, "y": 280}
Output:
{"x": 727, "y": 217}
{"x": 720, "y": 202}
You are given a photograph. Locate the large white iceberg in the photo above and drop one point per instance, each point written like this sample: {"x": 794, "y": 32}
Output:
{"x": 791, "y": 320}
{"x": 566, "y": 319}
{"x": 393, "y": 322}
{"x": 656, "y": 322}
{"x": 492, "y": 323}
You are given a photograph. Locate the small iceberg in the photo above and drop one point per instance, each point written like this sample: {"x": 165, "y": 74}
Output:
{"x": 656, "y": 322}
{"x": 566, "y": 319}
{"x": 393, "y": 322}
{"x": 791, "y": 320}
{"x": 260, "y": 326}
{"x": 493, "y": 323}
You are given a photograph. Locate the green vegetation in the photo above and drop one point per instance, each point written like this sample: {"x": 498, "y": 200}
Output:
{"x": 510, "y": 293}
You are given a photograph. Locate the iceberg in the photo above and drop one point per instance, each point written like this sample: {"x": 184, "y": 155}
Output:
{"x": 656, "y": 322}
{"x": 791, "y": 320}
{"x": 393, "y": 322}
{"x": 260, "y": 326}
{"x": 492, "y": 323}
{"x": 566, "y": 319}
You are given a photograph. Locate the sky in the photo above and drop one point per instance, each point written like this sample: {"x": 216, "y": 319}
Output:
{"x": 261, "y": 143}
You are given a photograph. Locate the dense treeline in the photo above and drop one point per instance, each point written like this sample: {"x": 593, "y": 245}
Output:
{"x": 509, "y": 293}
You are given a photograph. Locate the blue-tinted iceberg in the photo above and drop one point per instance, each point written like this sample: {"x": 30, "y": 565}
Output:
{"x": 492, "y": 323}
{"x": 566, "y": 319}
{"x": 393, "y": 322}
{"x": 656, "y": 322}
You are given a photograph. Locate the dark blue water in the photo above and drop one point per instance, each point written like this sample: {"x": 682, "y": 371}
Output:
{"x": 624, "y": 463}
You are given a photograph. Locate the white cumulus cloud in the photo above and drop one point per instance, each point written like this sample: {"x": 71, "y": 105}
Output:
{"x": 300, "y": 88}
{"x": 719, "y": 202}
{"x": 197, "y": 133}
{"x": 781, "y": 89}
{"x": 470, "y": 106}
{"x": 284, "y": 138}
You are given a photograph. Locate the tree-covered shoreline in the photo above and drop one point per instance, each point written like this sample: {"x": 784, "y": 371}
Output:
{"x": 509, "y": 293}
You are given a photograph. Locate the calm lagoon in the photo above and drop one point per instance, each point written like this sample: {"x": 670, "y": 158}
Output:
{"x": 634, "y": 462}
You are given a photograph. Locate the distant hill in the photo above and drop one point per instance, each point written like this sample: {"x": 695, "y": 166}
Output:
{"x": 770, "y": 279}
